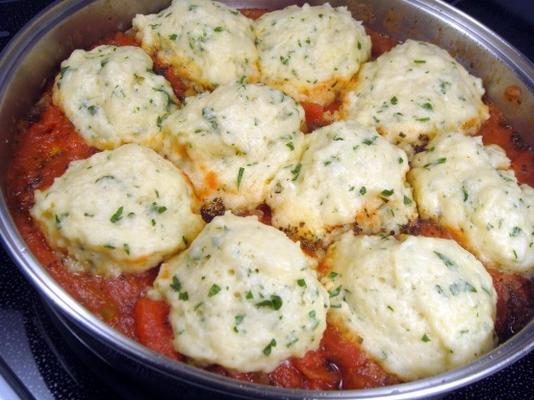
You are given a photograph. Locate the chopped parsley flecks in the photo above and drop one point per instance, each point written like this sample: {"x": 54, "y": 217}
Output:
{"x": 486, "y": 290}
{"x": 470, "y": 288}
{"x": 267, "y": 349}
{"x": 104, "y": 177}
{"x": 296, "y": 172}
{"x": 242, "y": 81}
{"x": 238, "y": 319}
{"x": 214, "y": 289}
{"x": 515, "y": 231}
{"x": 208, "y": 114}
{"x": 159, "y": 121}
{"x": 440, "y": 290}
{"x": 335, "y": 292}
{"x": 422, "y": 119}
{"x": 332, "y": 275}
{"x": 63, "y": 71}
{"x": 370, "y": 141}
{"x": 117, "y": 215}
{"x": 157, "y": 208}
{"x": 61, "y": 75}
{"x": 292, "y": 342}
{"x": 275, "y": 302}
{"x": 446, "y": 260}
{"x": 439, "y": 161}
{"x": 176, "y": 285}
{"x": 92, "y": 109}
{"x": 461, "y": 287}
{"x": 444, "y": 86}
{"x": 313, "y": 316}
{"x": 240, "y": 176}
{"x": 167, "y": 96}
{"x": 59, "y": 219}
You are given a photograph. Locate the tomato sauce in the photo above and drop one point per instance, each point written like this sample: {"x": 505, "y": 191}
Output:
{"x": 43, "y": 153}
{"x": 515, "y": 303}
{"x": 381, "y": 43}
{"x": 45, "y": 149}
{"x": 337, "y": 364}
{"x": 122, "y": 39}
{"x": 496, "y": 131}
{"x": 118, "y": 39}
{"x": 515, "y": 292}
{"x": 253, "y": 13}
{"x": 317, "y": 115}
{"x": 152, "y": 326}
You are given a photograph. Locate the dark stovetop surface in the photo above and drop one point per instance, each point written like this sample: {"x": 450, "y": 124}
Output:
{"x": 37, "y": 363}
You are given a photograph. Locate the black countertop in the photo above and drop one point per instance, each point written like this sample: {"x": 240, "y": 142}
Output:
{"x": 35, "y": 362}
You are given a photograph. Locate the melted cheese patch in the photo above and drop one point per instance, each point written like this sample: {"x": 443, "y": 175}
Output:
{"x": 311, "y": 52}
{"x": 243, "y": 296}
{"x": 204, "y": 41}
{"x": 420, "y": 306}
{"x": 414, "y": 92}
{"x": 112, "y": 96}
{"x": 123, "y": 210}
{"x": 232, "y": 141}
{"x": 347, "y": 174}
{"x": 466, "y": 186}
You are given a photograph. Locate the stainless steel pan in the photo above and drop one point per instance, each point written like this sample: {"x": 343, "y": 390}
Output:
{"x": 33, "y": 57}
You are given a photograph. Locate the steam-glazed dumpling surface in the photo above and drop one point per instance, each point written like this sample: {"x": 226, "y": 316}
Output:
{"x": 347, "y": 174}
{"x": 119, "y": 211}
{"x": 232, "y": 141}
{"x": 414, "y": 92}
{"x": 469, "y": 188}
{"x": 204, "y": 41}
{"x": 311, "y": 53}
{"x": 243, "y": 296}
{"x": 419, "y": 305}
{"x": 112, "y": 96}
